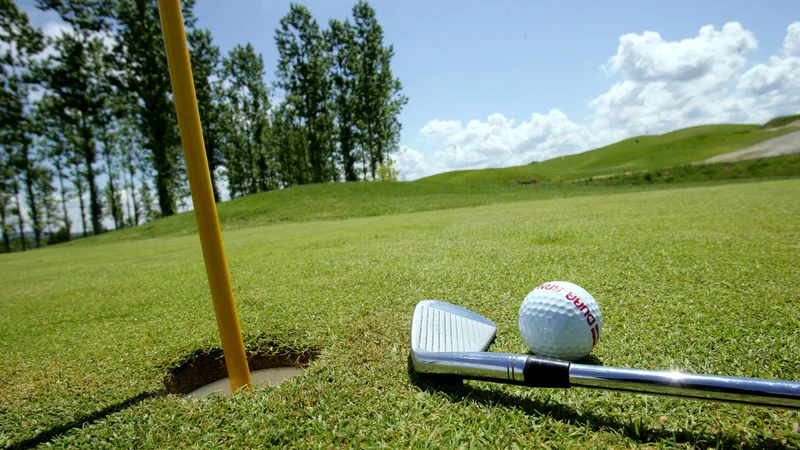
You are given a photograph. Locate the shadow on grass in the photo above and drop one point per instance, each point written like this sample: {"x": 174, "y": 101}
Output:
{"x": 458, "y": 391}
{"x": 87, "y": 419}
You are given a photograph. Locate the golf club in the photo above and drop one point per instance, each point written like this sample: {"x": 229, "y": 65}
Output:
{"x": 450, "y": 340}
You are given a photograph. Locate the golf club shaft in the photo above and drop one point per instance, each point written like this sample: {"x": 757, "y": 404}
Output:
{"x": 753, "y": 391}
{"x": 537, "y": 371}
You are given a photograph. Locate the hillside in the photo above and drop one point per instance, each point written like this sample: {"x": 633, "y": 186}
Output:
{"x": 343, "y": 201}
{"x": 639, "y": 153}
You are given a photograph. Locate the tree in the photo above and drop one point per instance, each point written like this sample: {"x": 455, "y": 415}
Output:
{"x": 130, "y": 159}
{"x": 21, "y": 43}
{"x": 341, "y": 45}
{"x": 386, "y": 171}
{"x": 146, "y": 195}
{"x": 378, "y": 92}
{"x": 79, "y": 181}
{"x": 109, "y": 138}
{"x": 143, "y": 63}
{"x": 6, "y": 178}
{"x": 303, "y": 68}
{"x": 205, "y": 58}
{"x": 289, "y": 140}
{"x": 54, "y": 132}
{"x": 250, "y": 160}
{"x": 76, "y": 74}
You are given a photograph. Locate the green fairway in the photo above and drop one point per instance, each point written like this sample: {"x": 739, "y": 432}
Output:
{"x": 635, "y": 154}
{"x": 317, "y": 202}
{"x": 702, "y": 279}
{"x": 348, "y": 200}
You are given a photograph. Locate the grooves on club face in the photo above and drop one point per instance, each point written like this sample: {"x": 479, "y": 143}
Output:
{"x": 448, "y": 340}
{"x": 443, "y": 327}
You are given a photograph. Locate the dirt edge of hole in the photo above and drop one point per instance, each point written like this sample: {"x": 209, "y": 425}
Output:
{"x": 206, "y": 366}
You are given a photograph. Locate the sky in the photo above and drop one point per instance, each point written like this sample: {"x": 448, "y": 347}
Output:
{"x": 495, "y": 84}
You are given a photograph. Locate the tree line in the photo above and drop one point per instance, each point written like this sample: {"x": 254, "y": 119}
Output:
{"x": 95, "y": 103}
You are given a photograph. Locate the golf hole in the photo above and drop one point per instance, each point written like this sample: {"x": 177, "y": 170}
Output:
{"x": 204, "y": 373}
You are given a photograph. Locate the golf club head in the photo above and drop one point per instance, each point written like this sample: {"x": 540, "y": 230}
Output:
{"x": 443, "y": 327}
{"x": 443, "y": 334}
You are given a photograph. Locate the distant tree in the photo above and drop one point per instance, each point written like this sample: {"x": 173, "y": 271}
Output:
{"x": 378, "y": 92}
{"x": 130, "y": 159}
{"x": 143, "y": 63}
{"x": 44, "y": 193}
{"x": 109, "y": 138}
{"x": 289, "y": 140}
{"x": 342, "y": 47}
{"x": 6, "y": 178}
{"x": 54, "y": 137}
{"x": 79, "y": 182}
{"x": 205, "y": 58}
{"x": 387, "y": 171}
{"x": 17, "y": 210}
{"x": 20, "y": 45}
{"x": 75, "y": 74}
{"x": 148, "y": 202}
{"x": 250, "y": 160}
{"x": 303, "y": 69}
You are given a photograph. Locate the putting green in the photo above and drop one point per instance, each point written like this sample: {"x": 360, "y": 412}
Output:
{"x": 697, "y": 279}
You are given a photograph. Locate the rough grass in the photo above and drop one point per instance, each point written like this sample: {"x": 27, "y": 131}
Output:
{"x": 631, "y": 155}
{"x": 345, "y": 200}
{"x": 702, "y": 279}
{"x": 781, "y": 121}
{"x": 775, "y": 167}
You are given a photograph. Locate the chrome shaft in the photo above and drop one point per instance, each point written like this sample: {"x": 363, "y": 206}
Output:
{"x": 525, "y": 370}
{"x": 754, "y": 391}
{"x": 504, "y": 367}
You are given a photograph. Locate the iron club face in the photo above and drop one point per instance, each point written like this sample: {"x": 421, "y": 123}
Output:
{"x": 444, "y": 327}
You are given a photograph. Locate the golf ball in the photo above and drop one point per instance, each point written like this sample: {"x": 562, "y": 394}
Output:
{"x": 560, "y": 320}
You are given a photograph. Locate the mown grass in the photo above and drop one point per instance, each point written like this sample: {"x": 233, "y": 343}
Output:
{"x": 699, "y": 279}
{"x": 345, "y": 200}
{"x": 631, "y": 155}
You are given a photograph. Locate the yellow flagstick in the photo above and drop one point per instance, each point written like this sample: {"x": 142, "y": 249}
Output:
{"x": 205, "y": 210}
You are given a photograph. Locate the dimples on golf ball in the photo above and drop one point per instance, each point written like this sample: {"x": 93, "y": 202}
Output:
{"x": 560, "y": 320}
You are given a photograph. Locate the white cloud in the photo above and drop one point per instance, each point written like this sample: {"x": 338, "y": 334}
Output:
{"x": 791, "y": 44}
{"x": 717, "y": 54}
{"x": 499, "y": 141}
{"x": 668, "y": 85}
{"x": 663, "y": 86}
{"x": 411, "y": 163}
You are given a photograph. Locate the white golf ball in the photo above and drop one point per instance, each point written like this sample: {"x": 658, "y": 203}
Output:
{"x": 560, "y": 320}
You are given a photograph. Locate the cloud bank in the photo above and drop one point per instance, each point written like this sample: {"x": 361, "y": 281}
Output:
{"x": 663, "y": 85}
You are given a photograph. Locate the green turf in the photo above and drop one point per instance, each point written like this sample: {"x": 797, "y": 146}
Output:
{"x": 351, "y": 200}
{"x": 344, "y": 201}
{"x": 635, "y": 154}
{"x": 699, "y": 279}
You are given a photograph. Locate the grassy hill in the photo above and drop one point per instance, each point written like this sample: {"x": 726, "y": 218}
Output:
{"x": 635, "y": 154}
{"x": 781, "y": 121}
{"x": 348, "y": 200}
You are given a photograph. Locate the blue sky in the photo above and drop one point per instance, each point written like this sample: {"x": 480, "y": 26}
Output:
{"x": 466, "y": 60}
{"x": 494, "y": 84}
